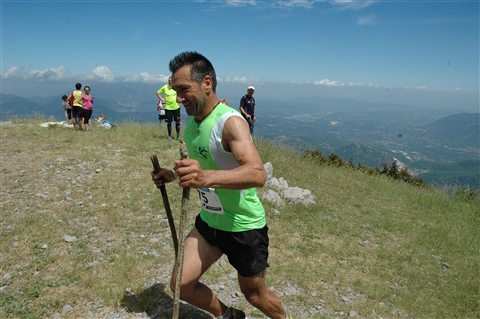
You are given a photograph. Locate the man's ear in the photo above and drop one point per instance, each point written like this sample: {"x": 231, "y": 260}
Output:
{"x": 207, "y": 84}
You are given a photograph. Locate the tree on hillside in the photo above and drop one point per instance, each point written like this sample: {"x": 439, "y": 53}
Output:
{"x": 392, "y": 171}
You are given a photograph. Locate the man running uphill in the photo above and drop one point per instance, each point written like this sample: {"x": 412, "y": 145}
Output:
{"x": 225, "y": 167}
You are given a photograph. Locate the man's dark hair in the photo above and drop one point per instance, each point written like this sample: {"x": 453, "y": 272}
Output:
{"x": 78, "y": 86}
{"x": 201, "y": 66}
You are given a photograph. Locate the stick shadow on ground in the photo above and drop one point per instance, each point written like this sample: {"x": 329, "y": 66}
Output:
{"x": 157, "y": 303}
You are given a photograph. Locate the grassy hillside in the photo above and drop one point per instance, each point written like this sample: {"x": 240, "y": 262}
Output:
{"x": 81, "y": 222}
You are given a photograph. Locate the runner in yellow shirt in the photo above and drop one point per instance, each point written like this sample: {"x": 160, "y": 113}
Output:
{"x": 172, "y": 108}
{"x": 77, "y": 107}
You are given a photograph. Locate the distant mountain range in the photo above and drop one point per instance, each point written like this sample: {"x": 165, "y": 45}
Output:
{"x": 459, "y": 130}
{"x": 438, "y": 145}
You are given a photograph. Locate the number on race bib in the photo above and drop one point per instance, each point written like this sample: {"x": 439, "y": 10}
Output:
{"x": 210, "y": 201}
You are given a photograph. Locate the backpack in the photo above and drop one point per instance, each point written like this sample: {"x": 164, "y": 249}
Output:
{"x": 70, "y": 99}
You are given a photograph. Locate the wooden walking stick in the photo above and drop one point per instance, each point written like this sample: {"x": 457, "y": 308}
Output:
{"x": 163, "y": 190}
{"x": 181, "y": 245}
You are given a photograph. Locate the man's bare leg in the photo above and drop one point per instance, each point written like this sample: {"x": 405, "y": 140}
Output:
{"x": 199, "y": 255}
{"x": 257, "y": 293}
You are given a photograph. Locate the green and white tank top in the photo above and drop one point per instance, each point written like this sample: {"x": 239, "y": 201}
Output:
{"x": 223, "y": 209}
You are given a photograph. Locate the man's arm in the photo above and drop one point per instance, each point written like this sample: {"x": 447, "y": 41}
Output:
{"x": 159, "y": 94}
{"x": 235, "y": 139}
{"x": 82, "y": 99}
{"x": 244, "y": 113}
{"x": 242, "y": 108}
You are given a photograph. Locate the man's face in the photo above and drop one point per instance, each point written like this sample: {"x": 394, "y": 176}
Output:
{"x": 189, "y": 92}
{"x": 250, "y": 92}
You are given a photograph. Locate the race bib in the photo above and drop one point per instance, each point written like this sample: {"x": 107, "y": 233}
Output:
{"x": 210, "y": 201}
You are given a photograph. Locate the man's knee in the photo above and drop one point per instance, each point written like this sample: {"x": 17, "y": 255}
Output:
{"x": 253, "y": 297}
{"x": 254, "y": 289}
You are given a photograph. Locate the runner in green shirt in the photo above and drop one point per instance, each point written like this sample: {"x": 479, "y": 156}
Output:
{"x": 168, "y": 96}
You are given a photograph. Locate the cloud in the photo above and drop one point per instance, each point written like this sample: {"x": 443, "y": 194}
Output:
{"x": 101, "y": 73}
{"x": 332, "y": 83}
{"x": 327, "y": 82}
{"x": 13, "y": 72}
{"x": 354, "y": 84}
{"x": 353, "y": 4}
{"x": 307, "y": 4}
{"x": 240, "y": 3}
{"x": 146, "y": 77}
{"x": 55, "y": 74}
{"x": 236, "y": 79}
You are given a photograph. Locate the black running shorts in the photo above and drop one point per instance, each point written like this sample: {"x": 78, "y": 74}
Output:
{"x": 172, "y": 115}
{"x": 247, "y": 251}
{"x": 76, "y": 111}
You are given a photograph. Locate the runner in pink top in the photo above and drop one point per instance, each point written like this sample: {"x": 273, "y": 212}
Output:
{"x": 87, "y": 107}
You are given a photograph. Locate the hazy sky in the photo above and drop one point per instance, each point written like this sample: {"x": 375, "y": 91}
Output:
{"x": 429, "y": 46}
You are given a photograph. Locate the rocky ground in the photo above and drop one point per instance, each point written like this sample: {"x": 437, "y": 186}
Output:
{"x": 161, "y": 304}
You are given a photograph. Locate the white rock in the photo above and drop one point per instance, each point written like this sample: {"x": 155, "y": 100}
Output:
{"x": 4, "y": 289}
{"x": 67, "y": 309}
{"x": 69, "y": 239}
{"x": 273, "y": 197}
{"x": 269, "y": 169}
